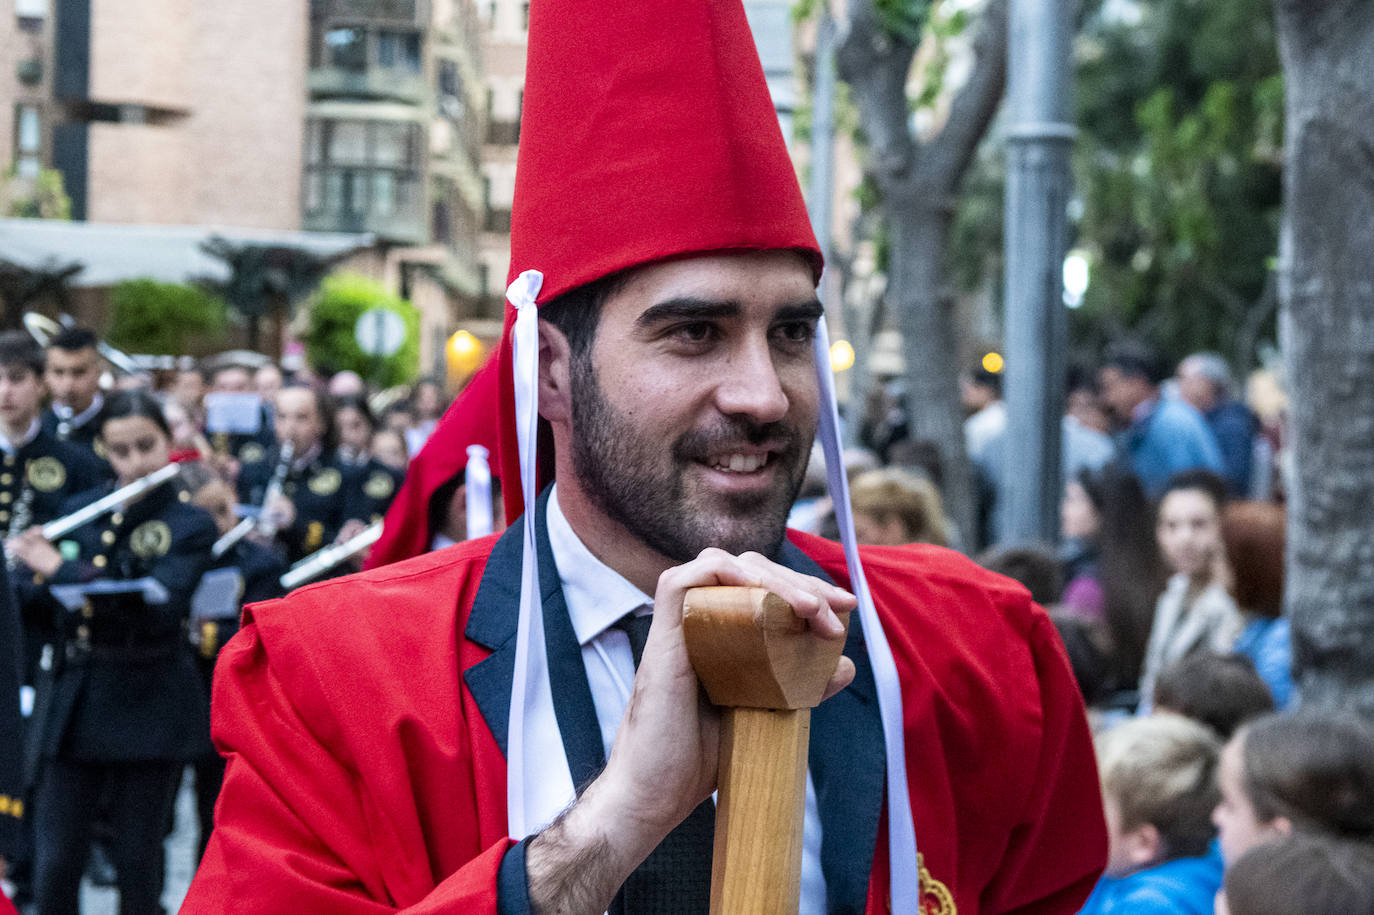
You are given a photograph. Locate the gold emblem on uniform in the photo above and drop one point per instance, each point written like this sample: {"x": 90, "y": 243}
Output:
{"x": 252, "y": 452}
{"x": 314, "y": 535}
{"x": 151, "y": 538}
{"x": 379, "y": 485}
{"x": 326, "y": 482}
{"x": 46, "y": 474}
{"x": 98, "y": 446}
{"x": 936, "y": 899}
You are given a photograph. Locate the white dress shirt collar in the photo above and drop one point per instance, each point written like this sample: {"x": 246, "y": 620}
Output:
{"x": 597, "y": 595}
{"x": 67, "y": 415}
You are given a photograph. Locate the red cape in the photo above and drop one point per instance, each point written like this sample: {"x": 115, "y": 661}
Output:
{"x": 362, "y": 777}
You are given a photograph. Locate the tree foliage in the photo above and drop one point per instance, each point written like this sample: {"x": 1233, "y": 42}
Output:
{"x": 41, "y": 197}
{"x": 1178, "y": 167}
{"x": 329, "y": 339}
{"x": 147, "y": 316}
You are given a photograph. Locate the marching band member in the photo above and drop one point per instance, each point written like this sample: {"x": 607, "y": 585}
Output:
{"x": 489, "y": 728}
{"x": 118, "y": 709}
{"x": 237, "y": 446}
{"x": 319, "y": 493}
{"x": 38, "y": 474}
{"x": 72, "y": 373}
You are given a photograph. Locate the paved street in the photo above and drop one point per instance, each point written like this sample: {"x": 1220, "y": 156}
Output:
{"x": 180, "y": 862}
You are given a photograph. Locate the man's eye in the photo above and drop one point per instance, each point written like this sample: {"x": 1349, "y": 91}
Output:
{"x": 695, "y": 332}
{"x": 796, "y": 332}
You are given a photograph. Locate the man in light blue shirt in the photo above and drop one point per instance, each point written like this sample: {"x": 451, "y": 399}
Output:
{"x": 1161, "y": 435}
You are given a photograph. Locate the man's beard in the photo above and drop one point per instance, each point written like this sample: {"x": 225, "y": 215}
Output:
{"x": 620, "y": 467}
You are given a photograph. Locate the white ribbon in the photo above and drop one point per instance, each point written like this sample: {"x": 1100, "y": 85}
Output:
{"x": 901, "y": 830}
{"x": 538, "y": 781}
{"x": 477, "y": 486}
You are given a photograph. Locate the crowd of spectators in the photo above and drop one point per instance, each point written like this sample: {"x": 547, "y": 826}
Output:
{"x": 1167, "y": 587}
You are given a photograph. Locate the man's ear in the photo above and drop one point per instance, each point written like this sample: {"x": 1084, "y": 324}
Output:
{"x": 555, "y": 374}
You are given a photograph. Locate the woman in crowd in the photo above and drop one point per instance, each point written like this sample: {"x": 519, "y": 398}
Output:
{"x": 1112, "y": 569}
{"x": 119, "y": 709}
{"x": 894, "y": 506}
{"x": 1196, "y": 611}
{"x": 1254, "y": 536}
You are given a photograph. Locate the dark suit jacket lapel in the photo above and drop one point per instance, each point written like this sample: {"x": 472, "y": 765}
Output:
{"x": 848, "y": 766}
{"x": 492, "y": 622}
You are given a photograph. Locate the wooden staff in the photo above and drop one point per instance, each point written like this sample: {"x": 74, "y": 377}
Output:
{"x": 766, "y": 671}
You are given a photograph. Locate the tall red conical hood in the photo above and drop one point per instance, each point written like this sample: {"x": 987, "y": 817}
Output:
{"x": 647, "y": 133}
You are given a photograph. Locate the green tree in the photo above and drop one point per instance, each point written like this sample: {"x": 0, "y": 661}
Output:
{"x": 40, "y": 197}
{"x": 148, "y": 316}
{"x": 916, "y": 180}
{"x": 1178, "y": 169}
{"x": 330, "y": 344}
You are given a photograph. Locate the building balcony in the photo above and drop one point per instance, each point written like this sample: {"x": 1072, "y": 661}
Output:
{"x": 391, "y": 12}
{"x": 389, "y": 206}
{"x": 372, "y": 83}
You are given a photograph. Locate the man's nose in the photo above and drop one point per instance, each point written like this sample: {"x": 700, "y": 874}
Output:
{"x": 750, "y": 385}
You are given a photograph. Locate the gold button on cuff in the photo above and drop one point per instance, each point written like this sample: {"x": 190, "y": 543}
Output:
{"x": 99, "y": 562}
{"x": 6, "y": 478}
{"x": 184, "y": 496}
{"x": 87, "y": 611}
{"x": 83, "y": 632}
{"x": 117, "y": 518}
{"x": 5, "y": 498}
{"x": 4, "y": 517}
{"x": 107, "y": 538}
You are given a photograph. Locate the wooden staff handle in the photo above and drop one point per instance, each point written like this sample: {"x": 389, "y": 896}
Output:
{"x": 766, "y": 671}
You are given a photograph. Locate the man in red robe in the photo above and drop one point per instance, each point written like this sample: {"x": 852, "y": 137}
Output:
{"x": 369, "y": 722}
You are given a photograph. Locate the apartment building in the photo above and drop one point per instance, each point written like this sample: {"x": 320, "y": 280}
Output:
{"x": 159, "y": 111}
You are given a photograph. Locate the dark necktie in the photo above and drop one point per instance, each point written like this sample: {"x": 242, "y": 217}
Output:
{"x": 676, "y": 877}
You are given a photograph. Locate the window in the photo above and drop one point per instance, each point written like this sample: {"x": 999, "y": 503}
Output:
{"x": 347, "y": 48}
{"x": 448, "y": 79}
{"x": 398, "y": 51}
{"x": 361, "y": 168}
{"x": 28, "y": 141}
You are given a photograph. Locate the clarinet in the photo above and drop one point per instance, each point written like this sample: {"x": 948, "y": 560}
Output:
{"x": 266, "y": 527}
{"x": 329, "y": 557}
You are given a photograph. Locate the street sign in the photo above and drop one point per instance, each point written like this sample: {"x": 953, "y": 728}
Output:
{"x": 380, "y": 332}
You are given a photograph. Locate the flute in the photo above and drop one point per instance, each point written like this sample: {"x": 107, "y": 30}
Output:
{"x": 65, "y": 525}
{"x": 330, "y": 556}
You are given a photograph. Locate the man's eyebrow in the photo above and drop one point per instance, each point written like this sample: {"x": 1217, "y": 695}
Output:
{"x": 807, "y": 309}
{"x": 693, "y": 309}
{"x": 688, "y": 308}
